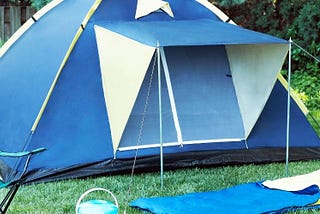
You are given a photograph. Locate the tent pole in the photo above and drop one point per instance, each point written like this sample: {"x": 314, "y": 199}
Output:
{"x": 171, "y": 97}
{"x": 160, "y": 115}
{"x": 288, "y": 110}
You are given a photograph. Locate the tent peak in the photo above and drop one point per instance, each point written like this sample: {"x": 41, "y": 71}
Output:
{"x": 145, "y": 7}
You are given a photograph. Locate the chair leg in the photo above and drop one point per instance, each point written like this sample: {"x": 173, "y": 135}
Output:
{"x": 8, "y": 198}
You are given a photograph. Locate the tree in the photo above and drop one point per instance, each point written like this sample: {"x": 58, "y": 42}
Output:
{"x": 14, "y": 2}
{"x": 39, "y": 3}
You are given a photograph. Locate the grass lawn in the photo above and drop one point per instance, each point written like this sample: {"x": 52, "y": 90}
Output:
{"x": 61, "y": 197}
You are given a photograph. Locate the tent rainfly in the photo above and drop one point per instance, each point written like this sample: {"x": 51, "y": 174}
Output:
{"x": 93, "y": 81}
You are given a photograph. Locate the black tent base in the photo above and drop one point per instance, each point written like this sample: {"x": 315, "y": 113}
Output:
{"x": 178, "y": 161}
{"x": 200, "y": 159}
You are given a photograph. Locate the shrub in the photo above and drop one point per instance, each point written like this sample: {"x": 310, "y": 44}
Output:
{"x": 305, "y": 27}
{"x": 308, "y": 88}
{"x": 305, "y": 78}
{"x": 38, "y": 4}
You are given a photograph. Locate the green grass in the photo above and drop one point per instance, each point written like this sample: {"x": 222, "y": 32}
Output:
{"x": 61, "y": 197}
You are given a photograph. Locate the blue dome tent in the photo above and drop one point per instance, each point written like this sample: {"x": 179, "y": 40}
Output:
{"x": 80, "y": 79}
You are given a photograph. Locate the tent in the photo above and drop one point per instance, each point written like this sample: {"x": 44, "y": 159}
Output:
{"x": 100, "y": 82}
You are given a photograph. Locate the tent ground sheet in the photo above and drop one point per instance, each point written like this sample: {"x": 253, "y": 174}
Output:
{"x": 299, "y": 192}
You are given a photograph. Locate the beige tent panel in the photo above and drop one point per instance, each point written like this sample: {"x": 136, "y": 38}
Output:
{"x": 145, "y": 7}
{"x": 254, "y": 81}
{"x": 123, "y": 64}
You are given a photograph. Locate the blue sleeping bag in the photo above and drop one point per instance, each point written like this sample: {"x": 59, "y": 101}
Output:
{"x": 244, "y": 198}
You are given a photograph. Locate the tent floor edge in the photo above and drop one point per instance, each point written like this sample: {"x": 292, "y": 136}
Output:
{"x": 200, "y": 159}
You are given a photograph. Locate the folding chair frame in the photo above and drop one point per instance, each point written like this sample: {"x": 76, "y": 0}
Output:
{"x": 15, "y": 185}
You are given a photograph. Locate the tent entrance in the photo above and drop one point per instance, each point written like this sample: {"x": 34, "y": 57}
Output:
{"x": 205, "y": 100}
